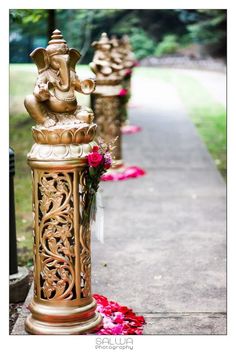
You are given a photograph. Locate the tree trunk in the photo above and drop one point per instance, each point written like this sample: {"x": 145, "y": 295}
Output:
{"x": 51, "y": 22}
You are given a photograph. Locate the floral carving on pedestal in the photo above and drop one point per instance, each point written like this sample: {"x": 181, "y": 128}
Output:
{"x": 56, "y": 236}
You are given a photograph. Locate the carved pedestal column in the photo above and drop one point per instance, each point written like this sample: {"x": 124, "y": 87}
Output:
{"x": 107, "y": 106}
{"x": 124, "y": 47}
{"x": 64, "y": 133}
{"x": 63, "y": 302}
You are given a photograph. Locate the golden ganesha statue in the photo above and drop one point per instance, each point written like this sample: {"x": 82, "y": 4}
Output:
{"x": 105, "y": 64}
{"x": 53, "y": 101}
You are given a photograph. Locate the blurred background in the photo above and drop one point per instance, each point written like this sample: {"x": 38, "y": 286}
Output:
{"x": 195, "y": 33}
{"x": 184, "y": 47}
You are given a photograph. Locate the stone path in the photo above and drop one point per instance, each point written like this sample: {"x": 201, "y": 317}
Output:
{"x": 165, "y": 233}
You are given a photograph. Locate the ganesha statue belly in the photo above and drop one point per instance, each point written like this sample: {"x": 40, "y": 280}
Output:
{"x": 53, "y": 104}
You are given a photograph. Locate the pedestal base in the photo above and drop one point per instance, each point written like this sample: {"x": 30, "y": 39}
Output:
{"x": 47, "y": 320}
{"x": 36, "y": 327}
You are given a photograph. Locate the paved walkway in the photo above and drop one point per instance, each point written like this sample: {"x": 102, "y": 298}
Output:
{"x": 165, "y": 234}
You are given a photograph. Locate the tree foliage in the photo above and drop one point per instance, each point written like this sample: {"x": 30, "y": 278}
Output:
{"x": 150, "y": 31}
{"x": 168, "y": 45}
{"x": 210, "y": 30}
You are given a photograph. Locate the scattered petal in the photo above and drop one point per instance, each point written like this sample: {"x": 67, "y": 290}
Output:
{"x": 117, "y": 319}
{"x": 130, "y": 129}
{"x": 123, "y": 174}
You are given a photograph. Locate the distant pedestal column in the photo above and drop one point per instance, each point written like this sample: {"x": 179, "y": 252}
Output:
{"x": 107, "y": 105}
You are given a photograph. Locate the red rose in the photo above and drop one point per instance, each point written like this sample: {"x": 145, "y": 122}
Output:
{"x": 95, "y": 148}
{"x": 94, "y": 159}
{"x": 123, "y": 92}
{"x": 128, "y": 72}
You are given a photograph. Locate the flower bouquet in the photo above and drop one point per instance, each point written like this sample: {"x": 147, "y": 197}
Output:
{"x": 99, "y": 160}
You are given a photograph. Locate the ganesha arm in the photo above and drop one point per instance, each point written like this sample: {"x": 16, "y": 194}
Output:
{"x": 116, "y": 59}
{"x": 100, "y": 64}
{"x": 86, "y": 86}
{"x": 101, "y": 59}
{"x": 41, "y": 91}
{"x": 34, "y": 103}
{"x": 116, "y": 67}
{"x": 106, "y": 67}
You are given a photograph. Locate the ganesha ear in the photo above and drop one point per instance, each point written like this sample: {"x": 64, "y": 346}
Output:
{"x": 40, "y": 57}
{"x": 94, "y": 44}
{"x": 74, "y": 57}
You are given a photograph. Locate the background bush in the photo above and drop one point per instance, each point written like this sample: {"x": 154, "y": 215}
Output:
{"x": 151, "y": 31}
{"x": 168, "y": 45}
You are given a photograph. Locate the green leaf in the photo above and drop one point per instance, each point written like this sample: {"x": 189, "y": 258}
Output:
{"x": 92, "y": 171}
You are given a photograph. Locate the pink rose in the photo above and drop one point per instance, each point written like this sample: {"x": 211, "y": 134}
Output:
{"x": 123, "y": 92}
{"x": 94, "y": 159}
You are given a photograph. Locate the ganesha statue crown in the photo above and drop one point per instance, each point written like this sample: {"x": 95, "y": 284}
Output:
{"x": 60, "y": 120}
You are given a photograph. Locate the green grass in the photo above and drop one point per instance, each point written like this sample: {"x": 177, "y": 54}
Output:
{"x": 208, "y": 116}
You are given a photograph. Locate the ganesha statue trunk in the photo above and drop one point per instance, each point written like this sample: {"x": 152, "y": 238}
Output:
{"x": 106, "y": 100}
{"x": 64, "y": 133}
